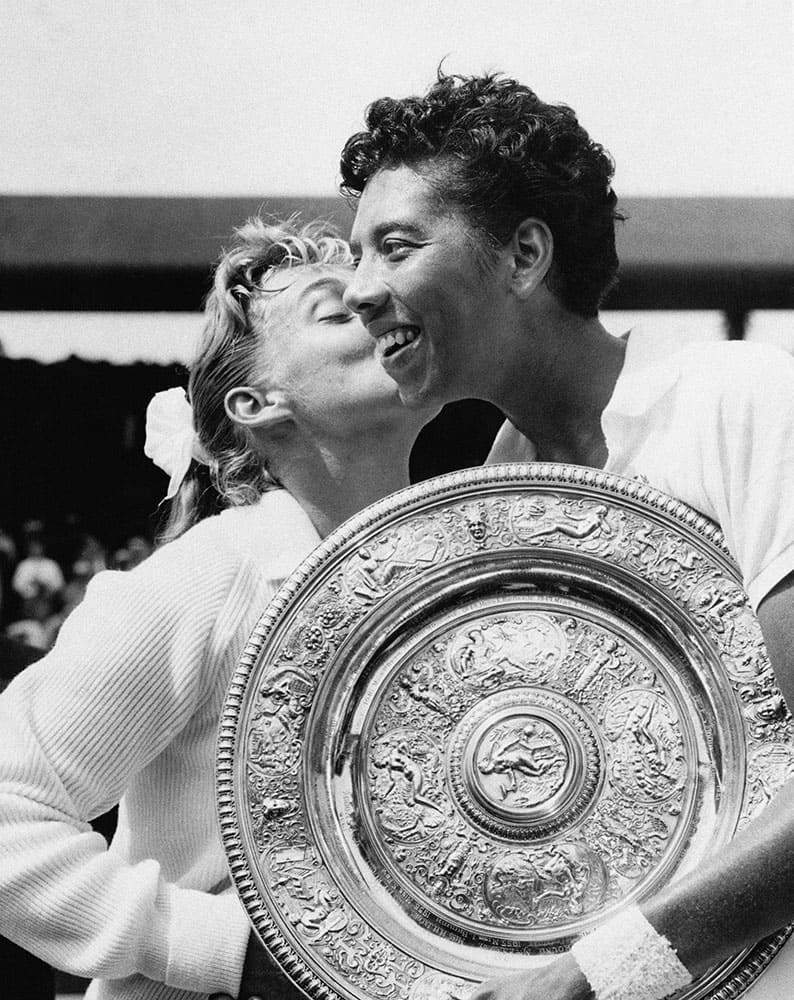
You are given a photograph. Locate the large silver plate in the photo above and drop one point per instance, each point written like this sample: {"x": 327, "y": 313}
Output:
{"x": 480, "y": 717}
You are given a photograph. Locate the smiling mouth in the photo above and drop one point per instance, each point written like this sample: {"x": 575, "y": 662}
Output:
{"x": 396, "y": 340}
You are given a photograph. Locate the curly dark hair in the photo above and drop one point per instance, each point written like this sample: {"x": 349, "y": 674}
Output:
{"x": 490, "y": 146}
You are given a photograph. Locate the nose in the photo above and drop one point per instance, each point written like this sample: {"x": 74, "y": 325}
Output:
{"x": 365, "y": 293}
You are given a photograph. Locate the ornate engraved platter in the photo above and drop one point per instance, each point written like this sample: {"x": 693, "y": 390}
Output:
{"x": 480, "y": 717}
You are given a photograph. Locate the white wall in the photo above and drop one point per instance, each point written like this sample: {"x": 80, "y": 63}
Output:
{"x": 256, "y": 97}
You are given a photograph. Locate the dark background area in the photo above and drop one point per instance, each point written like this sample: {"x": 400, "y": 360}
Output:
{"x": 72, "y": 435}
{"x": 71, "y": 440}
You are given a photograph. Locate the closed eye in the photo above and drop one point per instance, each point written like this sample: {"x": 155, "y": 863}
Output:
{"x": 336, "y": 317}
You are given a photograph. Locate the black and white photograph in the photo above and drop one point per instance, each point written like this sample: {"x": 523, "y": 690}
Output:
{"x": 397, "y": 510}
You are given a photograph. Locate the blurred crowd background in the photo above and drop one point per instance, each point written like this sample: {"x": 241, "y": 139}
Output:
{"x": 44, "y": 572}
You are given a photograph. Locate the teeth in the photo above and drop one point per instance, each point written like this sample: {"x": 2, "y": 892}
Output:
{"x": 398, "y": 337}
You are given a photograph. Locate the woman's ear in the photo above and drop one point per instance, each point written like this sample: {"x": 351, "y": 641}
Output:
{"x": 254, "y": 408}
{"x": 532, "y": 252}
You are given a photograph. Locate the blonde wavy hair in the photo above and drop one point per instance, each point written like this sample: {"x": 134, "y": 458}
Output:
{"x": 235, "y": 318}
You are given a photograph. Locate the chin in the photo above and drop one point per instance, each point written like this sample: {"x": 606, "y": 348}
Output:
{"x": 422, "y": 397}
{"x": 412, "y": 396}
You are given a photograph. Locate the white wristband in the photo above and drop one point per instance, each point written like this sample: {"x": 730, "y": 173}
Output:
{"x": 626, "y": 959}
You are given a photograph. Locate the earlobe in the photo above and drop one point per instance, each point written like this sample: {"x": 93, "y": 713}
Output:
{"x": 533, "y": 252}
{"x": 251, "y": 407}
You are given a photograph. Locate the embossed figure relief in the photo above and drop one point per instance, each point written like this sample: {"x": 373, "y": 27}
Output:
{"x": 476, "y": 526}
{"x": 384, "y": 561}
{"x": 540, "y": 517}
{"x": 723, "y": 608}
{"x": 420, "y": 686}
{"x": 546, "y": 885}
{"x": 319, "y": 915}
{"x": 766, "y": 712}
{"x": 273, "y": 744}
{"x": 605, "y": 665}
{"x": 648, "y": 755}
{"x": 527, "y": 760}
{"x": 406, "y": 785}
{"x": 518, "y": 648}
{"x": 310, "y": 904}
{"x": 633, "y": 838}
{"x": 662, "y": 555}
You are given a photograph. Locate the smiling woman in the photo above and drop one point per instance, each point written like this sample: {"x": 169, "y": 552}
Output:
{"x": 486, "y": 221}
{"x": 420, "y": 288}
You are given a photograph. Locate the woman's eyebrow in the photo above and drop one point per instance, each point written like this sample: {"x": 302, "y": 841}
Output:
{"x": 319, "y": 285}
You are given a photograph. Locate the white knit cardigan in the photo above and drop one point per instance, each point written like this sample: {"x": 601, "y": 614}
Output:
{"x": 126, "y": 708}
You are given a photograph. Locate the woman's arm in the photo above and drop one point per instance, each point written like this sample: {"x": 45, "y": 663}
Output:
{"x": 747, "y": 890}
{"x": 128, "y": 674}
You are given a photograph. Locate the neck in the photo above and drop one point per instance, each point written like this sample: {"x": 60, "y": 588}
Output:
{"x": 570, "y": 368}
{"x": 333, "y": 480}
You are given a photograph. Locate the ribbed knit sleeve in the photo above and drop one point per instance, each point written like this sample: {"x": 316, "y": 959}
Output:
{"x": 127, "y": 702}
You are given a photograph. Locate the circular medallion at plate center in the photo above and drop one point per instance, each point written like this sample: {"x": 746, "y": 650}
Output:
{"x": 519, "y": 765}
{"x": 525, "y": 763}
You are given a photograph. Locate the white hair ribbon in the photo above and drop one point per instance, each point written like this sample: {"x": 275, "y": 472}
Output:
{"x": 171, "y": 440}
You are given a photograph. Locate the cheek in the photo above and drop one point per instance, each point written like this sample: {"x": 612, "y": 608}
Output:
{"x": 297, "y": 379}
{"x": 334, "y": 374}
{"x": 441, "y": 292}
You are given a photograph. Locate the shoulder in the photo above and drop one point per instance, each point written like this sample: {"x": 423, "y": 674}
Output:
{"x": 730, "y": 381}
{"x": 266, "y": 539}
{"x": 202, "y": 550}
{"x": 736, "y": 365}
{"x": 737, "y": 399}
{"x": 208, "y": 574}
{"x": 160, "y": 619}
{"x": 186, "y": 577}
